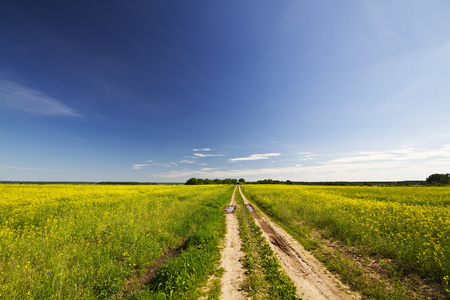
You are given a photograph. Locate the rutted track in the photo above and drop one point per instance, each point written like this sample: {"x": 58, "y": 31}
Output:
{"x": 308, "y": 275}
{"x": 231, "y": 256}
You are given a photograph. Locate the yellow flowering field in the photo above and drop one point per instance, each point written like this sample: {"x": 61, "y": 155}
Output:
{"x": 83, "y": 241}
{"x": 408, "y": 224}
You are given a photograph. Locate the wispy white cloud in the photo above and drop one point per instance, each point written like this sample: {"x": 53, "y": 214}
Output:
{"x": 364, "y": 157}
{"x": 139, "y": 166}
{"x": 25, "y": 168}
{"x": 164, "y": 165}
{"x": 151, "y": 162}
{"x": 255, "y": 157}
{"x": 186, "y": 161}
{"x": 204, "y": 149}
{"x": 408, "y": 154}
{"x": 206, "y": 155}
{"x": 32, "y": 101}
{"x": 306, "y": 156}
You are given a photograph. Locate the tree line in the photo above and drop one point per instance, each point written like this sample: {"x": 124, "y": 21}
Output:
{"x": 271, "y": 181}
{"x": 433, "y": 179}
{"x": 197, "y": 181}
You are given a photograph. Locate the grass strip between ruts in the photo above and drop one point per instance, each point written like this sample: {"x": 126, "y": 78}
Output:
{"x": 264, "y": 277}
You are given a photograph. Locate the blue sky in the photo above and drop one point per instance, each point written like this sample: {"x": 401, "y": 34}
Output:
{"x": 167, "y": 90}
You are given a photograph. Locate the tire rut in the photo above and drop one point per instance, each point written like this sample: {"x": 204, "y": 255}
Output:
{"x": 309, "y": 276}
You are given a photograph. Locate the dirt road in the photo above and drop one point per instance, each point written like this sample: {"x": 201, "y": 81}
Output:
{"x": 309, "y": 276}
{"x": 231, "y": 255}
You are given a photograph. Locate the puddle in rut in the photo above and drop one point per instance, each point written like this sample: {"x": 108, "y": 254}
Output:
{"x": 249, "y": 207}
{"x": 229, "y": 209}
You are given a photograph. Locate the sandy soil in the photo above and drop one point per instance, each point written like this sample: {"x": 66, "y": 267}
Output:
{"x": 309, "y": 276}
{"x": 230, "y": 261}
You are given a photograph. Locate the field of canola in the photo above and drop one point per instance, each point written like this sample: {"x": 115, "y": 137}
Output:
{"x": 408, "y": 224}
{"x": 84, "y": 241}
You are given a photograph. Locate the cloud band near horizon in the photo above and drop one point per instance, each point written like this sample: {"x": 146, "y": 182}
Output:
{"x": 255, "y": 157}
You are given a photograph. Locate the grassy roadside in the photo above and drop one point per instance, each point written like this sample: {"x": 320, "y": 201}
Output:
{"x": 374, "y": 275}
{"x": 265, "y": 279}
{"x": 183, "y": 277}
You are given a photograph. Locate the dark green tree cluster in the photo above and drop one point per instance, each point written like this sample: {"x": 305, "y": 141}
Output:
{"x": 438, "y": 179}
{"x": 270, "y": 181}
{"x": 197, "y": 181}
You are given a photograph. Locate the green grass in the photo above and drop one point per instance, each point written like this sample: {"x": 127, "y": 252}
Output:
{"x": 264, "y": 277}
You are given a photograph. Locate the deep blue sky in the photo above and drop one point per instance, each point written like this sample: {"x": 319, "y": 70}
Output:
{"x": 168, "y": 90}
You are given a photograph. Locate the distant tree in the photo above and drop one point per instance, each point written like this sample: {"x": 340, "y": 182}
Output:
{"x": 438, "y": 179}
{"x": 288, "y": 182}
{"x": 241, "y": 180}
{"x": 192, "y": 181}
{"x": 227, "y": 181}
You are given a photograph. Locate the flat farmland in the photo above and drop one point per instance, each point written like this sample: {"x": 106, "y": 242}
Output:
{"x": 181, "y": 242}
{"x": 405, "y": 228}
{"x": 97, "y": 241}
